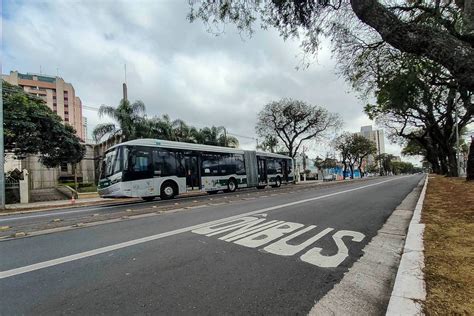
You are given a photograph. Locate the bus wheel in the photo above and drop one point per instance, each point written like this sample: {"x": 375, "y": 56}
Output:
{"x": 148, "y": 198}
{"x": 277, "y": 182}
{"x": 168, "y": 190}
{"x": 231, "y": 185}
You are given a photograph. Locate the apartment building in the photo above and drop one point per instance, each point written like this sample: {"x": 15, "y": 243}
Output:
{"x": 376, "y": 136}
{"x": 59, "y": 95}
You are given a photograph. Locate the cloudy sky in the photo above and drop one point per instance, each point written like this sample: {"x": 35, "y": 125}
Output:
{"x": 173, "y": 66}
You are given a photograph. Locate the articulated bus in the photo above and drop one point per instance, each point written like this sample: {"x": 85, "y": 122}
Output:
{"x": 150, "y": 168}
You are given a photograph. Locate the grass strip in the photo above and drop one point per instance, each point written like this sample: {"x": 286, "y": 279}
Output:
{"x": 448, "y": 213}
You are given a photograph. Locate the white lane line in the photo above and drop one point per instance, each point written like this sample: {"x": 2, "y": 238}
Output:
{"x": 85, "y": 254}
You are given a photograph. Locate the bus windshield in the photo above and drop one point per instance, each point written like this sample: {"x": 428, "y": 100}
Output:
{"x": 112, "y": 162}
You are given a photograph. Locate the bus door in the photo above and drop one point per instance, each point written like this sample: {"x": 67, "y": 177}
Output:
{"x": 191, "y": 164}
{"x": 262, "y": 170}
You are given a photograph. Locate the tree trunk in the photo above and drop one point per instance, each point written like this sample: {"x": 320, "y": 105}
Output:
{"x": 443, "y": 165}
{"x": 435, "y": 166}
{"x": 452, "y": 164}
{"x": 470, "y": 163}
{"x": 422, "y": 40}
{"x": 344, "y": 171}
{"x": 74, "y": 167}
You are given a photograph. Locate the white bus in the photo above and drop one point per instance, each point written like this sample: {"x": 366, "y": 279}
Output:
{"x": 149, "y": 168}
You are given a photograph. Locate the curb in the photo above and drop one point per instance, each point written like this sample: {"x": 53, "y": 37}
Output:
{"x": 409, "y": 290}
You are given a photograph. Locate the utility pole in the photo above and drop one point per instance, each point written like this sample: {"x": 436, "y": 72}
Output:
{"x": 2, "y": 158}
{"x": 124, "y": 86}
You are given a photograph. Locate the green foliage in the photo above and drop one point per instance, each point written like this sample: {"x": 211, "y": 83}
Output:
{"x": 354, "y": 149}
{"x": 386, "y": 163}
{"x": 128, "y": 117}
{"x": 413, "y": 148}
{"x": 401, "y": 167}
{"x": 30, "y": 127}
{"x": 428, "y": 29}
{"x": 132, "y": 123}
{"x": 270, "y": 144}
{"x": 327, "y": 163}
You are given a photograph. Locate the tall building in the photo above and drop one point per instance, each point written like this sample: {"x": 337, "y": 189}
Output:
{"x": 58, "y": 95}
{"x": 374, "y": 135}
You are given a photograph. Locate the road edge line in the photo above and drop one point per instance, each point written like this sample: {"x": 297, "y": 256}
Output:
{"x": 409, "y": 290}
{"x": 366, "y": 286}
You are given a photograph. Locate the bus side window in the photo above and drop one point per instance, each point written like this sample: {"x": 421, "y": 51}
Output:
{"x": 164, "y": 162}
{"x": 271, "y": 166}
{"x": 239, "y": 164}
{"x": 278, "y": 166}
{"x": 226, "y": 164}
{"x": 210, "y": 165}
{"x": 140, "y": 164}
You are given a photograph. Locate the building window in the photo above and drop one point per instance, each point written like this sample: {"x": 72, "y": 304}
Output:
{"x": 66, "y": 112}
{"x": 66, "y": 119}
{"x": 63, "y": 166}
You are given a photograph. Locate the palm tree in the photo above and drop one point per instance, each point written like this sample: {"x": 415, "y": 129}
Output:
{"x": 128, "y": 118}
{"x": 215, "y": 136}
{"x": 183, "y": 132}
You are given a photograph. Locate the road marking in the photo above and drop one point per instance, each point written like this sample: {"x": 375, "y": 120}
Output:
{"x": 94, "y": 252}
{"x": 254, "y": 232}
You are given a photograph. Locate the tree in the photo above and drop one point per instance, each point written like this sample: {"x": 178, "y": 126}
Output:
{"x": 385, "y": 163}
{"x": 416, "y": 100}
{"x": 294, "y": 122}
{"x": 269, "y": 143}
{"x": 442, "y": 31}
{"x": 354, "y": 149}
{"x": 360, "y": 149}
{"x": 342, "y": 144}
{"x": 128, "y": 117}
{"x": 324, "y": 164}
{"x": 31, "y": 128}
{"x": 401, "y": 167}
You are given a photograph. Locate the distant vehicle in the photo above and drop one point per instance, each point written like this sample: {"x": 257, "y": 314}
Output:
{"x": 149, "y": 168}
{"x": 329, "y": 177}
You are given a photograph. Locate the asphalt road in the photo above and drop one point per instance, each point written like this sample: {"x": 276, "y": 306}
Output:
{"x": 262, "y": 253}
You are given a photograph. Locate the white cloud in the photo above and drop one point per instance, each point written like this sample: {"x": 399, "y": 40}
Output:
{"x": 173, "y": 66}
